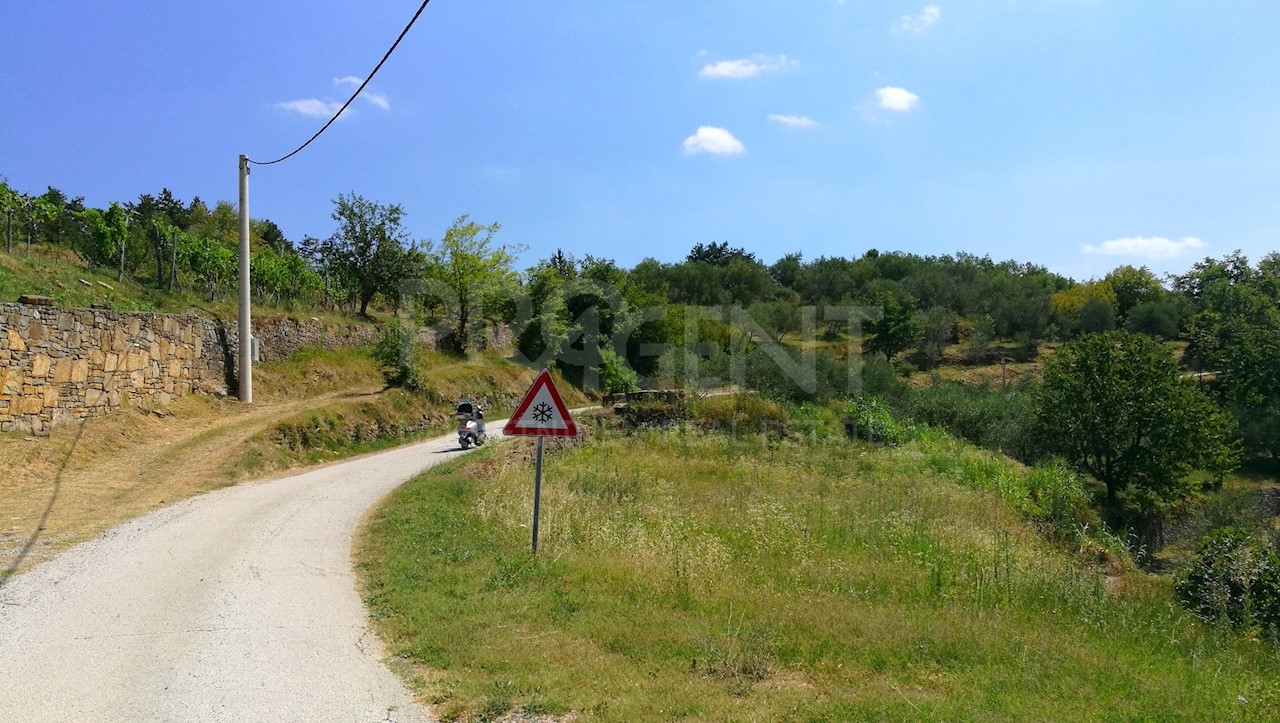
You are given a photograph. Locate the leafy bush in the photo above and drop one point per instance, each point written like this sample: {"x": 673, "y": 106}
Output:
{"x": 998, "y": 418}
{"x": 874, "y": 422}
{"x": 1060, "y": 497}
{"x": 615, "y": 376}
{"x": 398, "y": 352}
{"x": 1233, "y": 579}
{"x": 880, "y": 379}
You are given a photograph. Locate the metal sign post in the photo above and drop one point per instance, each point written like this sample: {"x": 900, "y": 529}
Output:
{"x": 541, "y": 413}
{"x": 537, "y": 494}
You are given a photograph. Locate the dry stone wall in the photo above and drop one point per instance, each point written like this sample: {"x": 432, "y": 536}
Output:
{"x": 62, "y": 365}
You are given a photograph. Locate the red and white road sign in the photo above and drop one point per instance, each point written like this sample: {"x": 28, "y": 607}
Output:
{"x": 541, "y": 412}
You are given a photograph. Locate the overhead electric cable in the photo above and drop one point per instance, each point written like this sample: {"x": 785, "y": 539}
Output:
{"x": 354, "y": 95}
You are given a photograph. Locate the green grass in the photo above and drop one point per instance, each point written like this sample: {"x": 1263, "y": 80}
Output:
{"x": 687, "y": 575}
{"x": 60, "y": 274}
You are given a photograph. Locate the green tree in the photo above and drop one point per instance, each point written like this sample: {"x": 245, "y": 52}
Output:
{"x": 472, "y": 267}
{"x": 369, "y": 246}
{"x": 1116, "y": 406}
{"x": 1158, "y": 319}
{"x": 207, "y": 260}
{"x": 893, "y": 328}
{"x": 776, "y": 318}
{"x": 1096, "y": 315}
{"x": 717, "y": 254}
{"x": 1133, "y": 286}
{"x": 1250, "y": 366}
{"x": 10, "y": 208}
{"x": 937, "y": 329}
{"x": 978, "y": 340}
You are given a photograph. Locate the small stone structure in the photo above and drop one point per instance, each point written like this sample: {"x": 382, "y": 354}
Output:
{"x": 650, "y": 407}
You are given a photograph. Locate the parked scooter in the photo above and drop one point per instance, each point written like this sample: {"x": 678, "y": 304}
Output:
{"x": 470, "y": 424}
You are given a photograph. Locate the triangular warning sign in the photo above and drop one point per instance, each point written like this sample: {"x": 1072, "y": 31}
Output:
{"x": 541, "y": 412}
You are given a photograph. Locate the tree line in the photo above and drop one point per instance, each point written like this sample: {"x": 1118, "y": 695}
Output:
{"x": 710, "y": 313}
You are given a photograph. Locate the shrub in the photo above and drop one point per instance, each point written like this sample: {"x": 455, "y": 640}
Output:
{"x": 1233, "y": 579}
{"x": 615, "y": 376}
{"x": 880, "y": 379}
{"x": 1060, "y": 497}
{"x": 874, "y": 422}
{"x": 998, "y": 418}
{"x": 797, "y": 378}
{"x": 398, "y": 352}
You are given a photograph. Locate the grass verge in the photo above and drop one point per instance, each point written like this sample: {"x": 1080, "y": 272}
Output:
{"x": 695, "y": 575}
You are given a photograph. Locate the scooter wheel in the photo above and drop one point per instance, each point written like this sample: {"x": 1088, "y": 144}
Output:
{"x": 466, "y": 442}
{"x": 479, "y": 441}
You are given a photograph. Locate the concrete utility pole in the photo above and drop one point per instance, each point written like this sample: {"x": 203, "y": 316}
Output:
{"x": 10, "y": 229}
{"x": 246, "y": 326}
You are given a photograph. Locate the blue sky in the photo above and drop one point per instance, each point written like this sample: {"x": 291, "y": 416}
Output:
{"x": 1078, "y": 134}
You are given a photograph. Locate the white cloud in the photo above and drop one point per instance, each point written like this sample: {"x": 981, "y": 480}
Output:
{"x": 713, "y": 140}
{"x": 377, "y": 99}
{"x": 899, "y": 100}
{"x": 795, "y": 121}
{"x": 1150, "y": 247}
{"x": 747, "y": 67}
{"x": 311, "y": 107}
{"x": 916, "y": 24}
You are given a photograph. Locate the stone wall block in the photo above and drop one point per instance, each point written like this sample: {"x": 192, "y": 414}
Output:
{"x": 31, "y": 404}
{"x": 62, "y": 370}
{"x": 40, "y": 364}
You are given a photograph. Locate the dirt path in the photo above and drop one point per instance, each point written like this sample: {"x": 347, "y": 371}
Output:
{"x": 60, "y": 490}
{"x": 236, "y": 605}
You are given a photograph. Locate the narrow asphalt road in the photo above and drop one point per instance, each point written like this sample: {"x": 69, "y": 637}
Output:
{"x": 238, "y": 605}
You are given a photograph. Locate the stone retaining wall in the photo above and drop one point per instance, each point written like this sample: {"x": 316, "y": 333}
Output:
{"x": 62, "y": 365}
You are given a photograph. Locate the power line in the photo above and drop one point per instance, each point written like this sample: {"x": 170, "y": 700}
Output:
{"x": 353, "y": 95}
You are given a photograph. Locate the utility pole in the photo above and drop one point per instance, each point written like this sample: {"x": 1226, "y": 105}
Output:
{"x": 9, "y": 248}
{"x": 246, "y": 326}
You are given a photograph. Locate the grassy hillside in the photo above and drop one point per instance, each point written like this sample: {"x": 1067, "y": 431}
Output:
{"x": 693, "y": 575}
{"x": 63, "y": 276}
{"x": 60, "y": 274}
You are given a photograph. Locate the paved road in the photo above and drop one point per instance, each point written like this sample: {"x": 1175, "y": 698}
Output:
{"x": 239, "y": 605}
